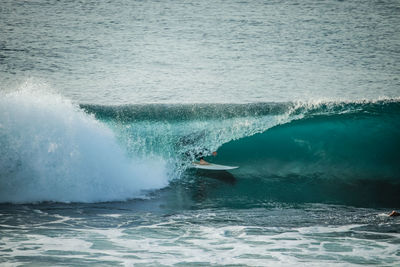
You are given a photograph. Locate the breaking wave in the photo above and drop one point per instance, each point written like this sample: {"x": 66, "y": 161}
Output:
{"x": 55, "y": 150}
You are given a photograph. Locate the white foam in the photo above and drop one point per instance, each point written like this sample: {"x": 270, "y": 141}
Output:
{"x": 165, "y": 244}
{"x": 53, "y": 151}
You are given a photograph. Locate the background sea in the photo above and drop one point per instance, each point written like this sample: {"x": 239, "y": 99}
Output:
{"x": 105, "y": 104}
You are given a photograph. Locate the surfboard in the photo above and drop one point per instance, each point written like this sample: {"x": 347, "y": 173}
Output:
{"x": 214, "y": 167}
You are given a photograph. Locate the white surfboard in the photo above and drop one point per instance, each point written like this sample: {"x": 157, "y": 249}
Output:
{"x": 214, "y": 167}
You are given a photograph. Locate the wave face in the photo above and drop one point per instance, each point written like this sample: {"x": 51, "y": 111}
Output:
{"x": 335, "y": 152}
{"x": 339, "y": 139}
{"x": 54, "y": 150}
{"x": 359, "y": 141}
{"x": 350, "y": 157}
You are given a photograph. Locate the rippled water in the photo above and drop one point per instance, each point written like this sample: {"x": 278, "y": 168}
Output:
{"x": 141, "y": 233}
{"x": 104, "y": 104}
{"x": 207, "y": 51}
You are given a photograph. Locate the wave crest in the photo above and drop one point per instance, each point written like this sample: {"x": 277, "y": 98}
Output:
{"x": 53, "y": 151}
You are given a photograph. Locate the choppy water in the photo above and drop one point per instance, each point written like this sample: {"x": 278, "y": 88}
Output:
{"x": 104, "y": 105}
{"x": 140, "y": 232}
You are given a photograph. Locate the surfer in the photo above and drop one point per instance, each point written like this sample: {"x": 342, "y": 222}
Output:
{"x": 203, "y": 162}
{"x": 190, "y": 141}
{"x": 394, "y": 213}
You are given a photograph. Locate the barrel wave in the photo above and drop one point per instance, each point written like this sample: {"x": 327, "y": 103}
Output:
{"x": 317, "y": 151}
{"x": 360, "y": 144}
{"x": 348, "y": 158}
{"x": 324, "y": 151}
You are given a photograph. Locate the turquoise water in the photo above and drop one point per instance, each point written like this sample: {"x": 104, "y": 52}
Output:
{"x": 104, "y": 105}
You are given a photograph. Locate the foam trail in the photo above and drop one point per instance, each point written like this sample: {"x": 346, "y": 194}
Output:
{"x": 52, "y": 151}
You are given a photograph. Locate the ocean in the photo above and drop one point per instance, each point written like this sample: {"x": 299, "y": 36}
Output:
{"x": 104, "y": 105}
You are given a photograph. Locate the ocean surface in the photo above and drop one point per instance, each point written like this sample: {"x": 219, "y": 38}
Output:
{"x": 104, "y": 105}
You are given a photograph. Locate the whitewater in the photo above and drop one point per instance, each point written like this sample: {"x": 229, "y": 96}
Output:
{"x": 53, "y": 151}
{"x": 105, "y": 105}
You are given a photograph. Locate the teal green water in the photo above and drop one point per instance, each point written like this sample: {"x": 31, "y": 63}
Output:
{"x": 315, "y": 183}
{"x": 105, "y": 104}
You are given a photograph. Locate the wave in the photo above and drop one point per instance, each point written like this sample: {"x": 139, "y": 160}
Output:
{"x": 330, "y": 152}
{"x": 361, "y": 141}
{"x": 347, "y": 135}
{"x": 54, "y": 150}
{"x": 347, "y": 155}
